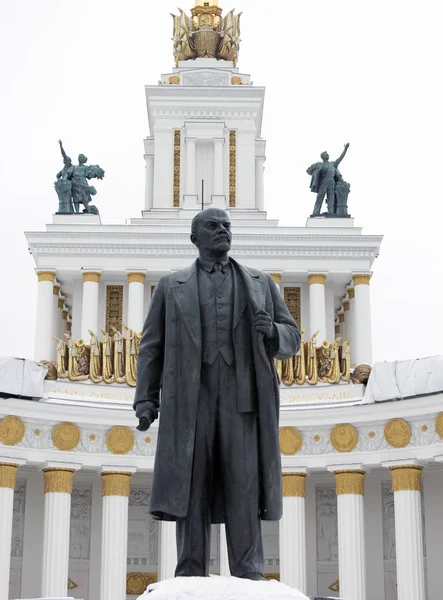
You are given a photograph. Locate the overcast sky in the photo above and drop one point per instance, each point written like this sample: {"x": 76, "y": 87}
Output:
{"x": 365, "y": 72}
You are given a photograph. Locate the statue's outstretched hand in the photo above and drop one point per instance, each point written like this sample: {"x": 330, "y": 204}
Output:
{"x": 346, "y": 146}
{"x": 264, "y": 324}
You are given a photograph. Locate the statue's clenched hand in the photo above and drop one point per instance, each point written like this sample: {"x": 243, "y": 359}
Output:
{"x": 264, "y": 324}
{"x": 146, "y": 420}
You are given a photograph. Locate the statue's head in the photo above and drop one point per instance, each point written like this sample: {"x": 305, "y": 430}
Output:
{"x": 67, "y": 161}
{"x": 211, "y": 231}
{"x": 324, "y": 156}
{"x": 82, "y": 159}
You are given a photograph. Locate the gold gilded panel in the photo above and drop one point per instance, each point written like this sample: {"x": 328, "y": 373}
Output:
{"x": 291, "y": 440}
{"x": 114, "y": 308}
{"x": 137, "y": 583}
{"x": 232, "y": 169}
{"x": 177, "y": 152}
{"x": 293, "y": 302}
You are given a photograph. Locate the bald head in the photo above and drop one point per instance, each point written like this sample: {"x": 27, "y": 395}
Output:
{"x": 211, "y": 232}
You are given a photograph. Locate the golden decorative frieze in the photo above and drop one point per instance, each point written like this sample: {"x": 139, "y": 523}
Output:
{"x": 232, "y": 168}
{"x": 55, "y": 290}
{"x": 8, "y": 471}
{"x": 58, "y": 480}
{"x": 137, "y": 583}
{"x": 294, "y": 485}
{"x": 406, "y": 478}
{"x": 344, "y": 437}
{"x": 174, "y": 80}
{"x": 292, "y": 297}
{"x": 177, "y": 157}
{"x": 351, "y": 293}
{"x": 291, "y": 440}
{"x": 439, "y": 425}
{"x": 46, "y": 276}
{"x": 349, "y": 482}
{"x": 136, "y": 277}
{"x": 120, "y": 440}
{"x": 116, "y": 483}
{"x": 91, "y": 276}
{"x": 363, "y": 279}
{"x": 276, "y": 277}
{"x": 398, "y": 433}
{"x": 12, "y": 430}
{"x": 114, "y": 307}
{"x": 346, "y": 305}
{"x": 319, "y": 278}
{"x": 66, "y": 436}
{"x": 60, "y": 303}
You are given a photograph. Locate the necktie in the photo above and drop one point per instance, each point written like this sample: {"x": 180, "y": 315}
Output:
{"x": 218, "y": 277}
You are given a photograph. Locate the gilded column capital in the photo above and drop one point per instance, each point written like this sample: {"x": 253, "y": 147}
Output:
{"x": 406, "y": 477}
{"x": 116, "y": 483}
{"x": 314, "y": 278}
{"x": 56, "y": 289}
{"x": 346, "y": 305}
{"x": 341, "y": 317}
{"x": 362, "y": 279}
{"x": 58, "y": 479}
{"x": 69, "y": 326}
{"x": 46, "y": 276}
{"x": 350, "y": 482}
{"x": 294, "y": 485}
{"x": 64, "y": 315}
{"x": 61, "y": 303}
{"x": 136, "y": 277}
{"x": 8, "y": 471}
{"x": 351, "y": 293}
{"x": 276, "y": 277}
{"x": 93, "y": 276}
{"x": 337, "y": 329}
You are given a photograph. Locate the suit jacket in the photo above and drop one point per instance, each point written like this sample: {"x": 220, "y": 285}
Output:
{"x": 170, "y": 361}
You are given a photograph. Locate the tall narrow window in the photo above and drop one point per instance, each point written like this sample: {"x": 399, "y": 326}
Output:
{"x": 114, "y": 307}
{"x": 292, "y": 301}
{"x": 232, "y": 168}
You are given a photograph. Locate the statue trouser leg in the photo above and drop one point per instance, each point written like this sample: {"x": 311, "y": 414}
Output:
{"x": 330, "y": 194}
{"x": 318, "y": 203}
{"x": 225, "y": 460}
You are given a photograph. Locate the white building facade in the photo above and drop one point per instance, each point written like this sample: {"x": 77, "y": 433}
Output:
{"x": 362, "y": 481}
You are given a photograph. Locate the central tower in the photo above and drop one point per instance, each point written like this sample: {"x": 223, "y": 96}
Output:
{"x": 205, "y": 118}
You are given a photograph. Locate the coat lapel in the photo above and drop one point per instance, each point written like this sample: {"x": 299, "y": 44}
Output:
{"x": 247, "y": 289}
{"x": 185, "y": 292}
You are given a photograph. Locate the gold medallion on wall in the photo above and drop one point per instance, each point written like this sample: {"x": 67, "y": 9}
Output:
{"x": 12, "y": 430}
{"x": 439, "y": 425}
{"x": 120, "y": 440}
{"x": 137, "y": 583}
{"x": 344, "y": 437}
{"x": 291, "y": 440}
{"x": 66, "y": 436}
{"x": 397, "y": 433}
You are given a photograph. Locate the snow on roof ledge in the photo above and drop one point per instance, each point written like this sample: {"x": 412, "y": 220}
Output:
{"x": 405, "y": 379}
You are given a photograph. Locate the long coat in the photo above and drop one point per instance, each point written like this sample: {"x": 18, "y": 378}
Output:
{"x": 169, "y": 365}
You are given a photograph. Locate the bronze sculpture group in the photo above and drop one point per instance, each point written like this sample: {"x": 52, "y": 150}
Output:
{"x": 328, "y": 183}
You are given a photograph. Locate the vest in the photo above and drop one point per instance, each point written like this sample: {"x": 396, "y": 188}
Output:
{"x": 216, "y": 310}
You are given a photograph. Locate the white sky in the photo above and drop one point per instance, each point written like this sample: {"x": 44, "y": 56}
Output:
{"x": 365, "y": 72}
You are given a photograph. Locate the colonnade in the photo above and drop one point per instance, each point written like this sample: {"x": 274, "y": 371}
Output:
{"x": 58, "y": 482}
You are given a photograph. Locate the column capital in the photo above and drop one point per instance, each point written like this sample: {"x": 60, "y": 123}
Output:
{"x": 361, "y": 278}
{"x": 294, "y": 484}
{"x": 337, "y": 329}
{"x": 45, "y": 275}
{"x": 406, "y": 477}
{"x": 351, "y": 293}
{"x": 91, "y": 275}
{"x": 56, "y": 289}
{"x": 341, "y": 317}
{"x": 314, "y": 278}
{"x": 346, "y": 305}
{"x": 8, "y": 471}
{"x": 60, "y": 303}
{"x": 116, "y": 482}
{"x": 136, "y": 276}
{"x": 349, "y": 481}
{"x": 276, "y": 277}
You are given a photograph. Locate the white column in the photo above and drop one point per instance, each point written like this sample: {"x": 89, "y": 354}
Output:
{"x": 91, "y": 281}
{"x": 406, "y": 485}
{"x": 276, "y": 277}
{"x": 317, "y": 306}
{"x": 115, "y": 491}
{"x": 259, "y": 182}
{"x": 191, "y": 173}
{"x": 43, "y": 348}
{"x": 136, "y": 300}
{"x": 7, "y": 485}
{"x": 349, "y": 482}
{"x": 149, "y": 189}
{"x": 168, "y": 550}
{"x": 56, "y": 316}
{"x": 56, "y": 528}
{"x": 293, "y": 531}
{"x": 218, "y": 166}
{"x": 363, "y": 328}
{"x": 351, "y": 324}
{"x": 59, "y": 325}
{"x": 224, "y": 560}
{"x": 346, "y": 323}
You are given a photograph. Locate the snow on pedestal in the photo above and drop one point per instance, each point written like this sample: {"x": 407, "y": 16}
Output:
{"x": 220, "y": 588}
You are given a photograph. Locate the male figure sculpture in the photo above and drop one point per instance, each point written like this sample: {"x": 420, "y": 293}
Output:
{"x": 325, "y": 176}
{"x": 208, "y": 345}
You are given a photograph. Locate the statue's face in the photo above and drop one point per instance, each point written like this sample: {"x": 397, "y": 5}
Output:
{"x": 82, "y": 159}
{"x": 213, "y": 231}
{"x": 67, "y": 161}
{"x": 324, "y": 156}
